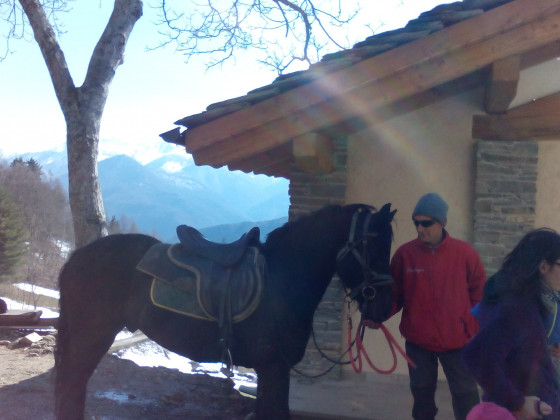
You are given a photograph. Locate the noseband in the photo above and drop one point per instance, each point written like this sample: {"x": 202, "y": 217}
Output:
{"x": 371, "y": 279}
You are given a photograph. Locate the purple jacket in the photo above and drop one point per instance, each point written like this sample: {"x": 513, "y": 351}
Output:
{"x": 509, "y": 357}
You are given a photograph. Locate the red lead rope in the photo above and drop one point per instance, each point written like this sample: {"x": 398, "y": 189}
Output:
{"x": 360, "y": 350}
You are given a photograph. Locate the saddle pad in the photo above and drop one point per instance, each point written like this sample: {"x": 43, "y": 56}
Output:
{"x": 196, "y": 286}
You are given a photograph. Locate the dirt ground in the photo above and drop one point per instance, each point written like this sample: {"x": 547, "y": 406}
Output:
{"x": 118, "y": 390}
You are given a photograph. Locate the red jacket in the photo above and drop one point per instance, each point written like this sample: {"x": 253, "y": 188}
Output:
{"x": 436, "y": 287}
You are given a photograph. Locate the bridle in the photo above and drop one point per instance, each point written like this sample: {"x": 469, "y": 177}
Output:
{"x": 371, "y": 279}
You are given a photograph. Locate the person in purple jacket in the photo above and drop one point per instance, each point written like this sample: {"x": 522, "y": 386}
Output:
{"x": 509, "y": 357}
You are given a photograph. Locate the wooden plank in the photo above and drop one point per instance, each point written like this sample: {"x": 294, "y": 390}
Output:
{"x": 368, "y": 101}
{"x": 502, "y": 83}
{"x": 280, "y": 169}
{"x": 540, "y": 127}
{"x": 548, "y": 105}
{"x": 256, "y": 141}
{"x": 27, "y": 320}
{"x": 535, "y": 120}
{"x": 510, "y": 29}
{"x": 540, "y": 55}
{"x": 264, "y": 162}
{"x": 215, "y": 156}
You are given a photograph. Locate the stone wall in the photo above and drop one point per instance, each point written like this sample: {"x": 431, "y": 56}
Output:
{"x": 505, "y": 197}
{"x": 309, "y": 192}
{"x": 504, "y": 210}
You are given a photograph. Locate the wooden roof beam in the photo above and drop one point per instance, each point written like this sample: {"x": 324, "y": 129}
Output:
{"x": 536, "y": 120}
{"x": 277, "y": 157}
{"x": 540, "y": 55}
{"x": 234, "y": 148}
{"x": 361, "y": 89}
{"x": 369, "y": 100}
{"x": 501, "y": 86}
{"x": 279, "y": 170}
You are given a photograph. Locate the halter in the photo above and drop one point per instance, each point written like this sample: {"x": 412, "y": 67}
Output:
{"x": 368, "y": 289}
{"x": 371, "y": 279}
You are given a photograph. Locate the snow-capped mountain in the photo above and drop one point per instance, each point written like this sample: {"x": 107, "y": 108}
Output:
{"x": 171, "y": 190}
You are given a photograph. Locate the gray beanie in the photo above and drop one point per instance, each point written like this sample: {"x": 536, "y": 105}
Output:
{"x": 432, "y": 205}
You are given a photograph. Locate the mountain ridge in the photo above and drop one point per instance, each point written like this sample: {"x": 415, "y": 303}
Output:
{"x": 171, "y": 190}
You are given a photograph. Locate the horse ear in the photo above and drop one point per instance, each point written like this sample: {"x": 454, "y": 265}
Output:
{"x": 386, "y": 208}
{"x": 386, "y": 211}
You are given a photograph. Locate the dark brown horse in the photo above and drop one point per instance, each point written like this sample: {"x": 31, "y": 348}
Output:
{"x": 101, "y": 292}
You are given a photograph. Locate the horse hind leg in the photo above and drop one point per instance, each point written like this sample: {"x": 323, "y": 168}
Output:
{"x": 79, "y": 350}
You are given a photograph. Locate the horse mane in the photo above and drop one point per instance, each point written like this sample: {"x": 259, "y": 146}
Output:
{"x": 312, "y": 223}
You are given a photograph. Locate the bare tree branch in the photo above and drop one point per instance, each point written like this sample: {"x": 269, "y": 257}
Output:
{"x": 305, "y": 19}
{"x": 83, "y": 106}
{"x": 216, "y": 29}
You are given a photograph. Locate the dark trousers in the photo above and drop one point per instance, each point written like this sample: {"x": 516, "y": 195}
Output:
{"x": 423, "y": 382}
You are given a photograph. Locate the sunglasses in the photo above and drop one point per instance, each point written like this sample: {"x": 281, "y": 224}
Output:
{"x": 423, "y": 223}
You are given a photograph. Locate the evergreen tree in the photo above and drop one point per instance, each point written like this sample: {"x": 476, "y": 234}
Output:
{"x": 12, "y": 236}
{"x": 114, "y": 226}
{"x": 34, "y": 166}
{"x": 17, "y": 161}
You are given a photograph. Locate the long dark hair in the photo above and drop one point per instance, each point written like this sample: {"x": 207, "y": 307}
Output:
{"x": 519, "y": 274}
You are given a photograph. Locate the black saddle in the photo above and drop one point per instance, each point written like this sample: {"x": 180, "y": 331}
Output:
{"x": 224, "y": 254}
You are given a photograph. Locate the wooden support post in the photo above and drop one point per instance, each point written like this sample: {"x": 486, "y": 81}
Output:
{"x": 502, "y": 84}
{"x": 313, "y": 152}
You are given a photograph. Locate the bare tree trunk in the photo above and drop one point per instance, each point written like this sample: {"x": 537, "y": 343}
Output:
{"x": 86, "y": 203}
{"x": 83, "y": 107}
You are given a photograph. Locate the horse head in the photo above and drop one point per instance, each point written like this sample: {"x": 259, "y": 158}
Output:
{"x": 363, "y": 263}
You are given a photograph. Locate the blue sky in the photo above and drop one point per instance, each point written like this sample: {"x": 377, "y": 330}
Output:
{"x": 151, "y": 90}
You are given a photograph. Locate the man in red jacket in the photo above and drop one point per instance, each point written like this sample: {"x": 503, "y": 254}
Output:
{"x": 438, "y": 279}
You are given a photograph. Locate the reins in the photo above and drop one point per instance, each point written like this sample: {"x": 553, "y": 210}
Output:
{"x": 367, "y": 288}
{"x": 361, "y": 351}
{"x": 356, "y": 360}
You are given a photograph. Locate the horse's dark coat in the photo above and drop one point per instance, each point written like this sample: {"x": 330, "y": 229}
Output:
{"x": 101, "y": 292}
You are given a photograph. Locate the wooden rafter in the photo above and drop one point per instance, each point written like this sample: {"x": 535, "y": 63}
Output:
{"x": 536, "y": 120}
{"x": 269, "y": 162}
{"x": 372, "y": 84}
{"x": 501, "y": 86}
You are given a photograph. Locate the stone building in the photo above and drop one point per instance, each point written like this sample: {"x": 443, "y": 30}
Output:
{"x": 464, "y": 101}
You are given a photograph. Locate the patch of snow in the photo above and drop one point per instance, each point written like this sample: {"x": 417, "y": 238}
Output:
{"x": 122, "y": 397}
{"x": 172, "y": 167}
{"x": 38, "y": 290}
{"x": 151, "y": 354}
{"x": 147, "y": 353}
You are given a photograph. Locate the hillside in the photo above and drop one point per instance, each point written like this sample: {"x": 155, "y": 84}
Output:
{"x": 171, "y": 190}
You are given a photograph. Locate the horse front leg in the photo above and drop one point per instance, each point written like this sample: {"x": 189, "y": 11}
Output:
{"x": 273, "y": 392}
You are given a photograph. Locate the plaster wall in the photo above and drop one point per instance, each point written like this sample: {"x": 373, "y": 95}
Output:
{"x": 547, "y": 212}
{"x": 398, "y": 161}
{"x": 536, "y": 82}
